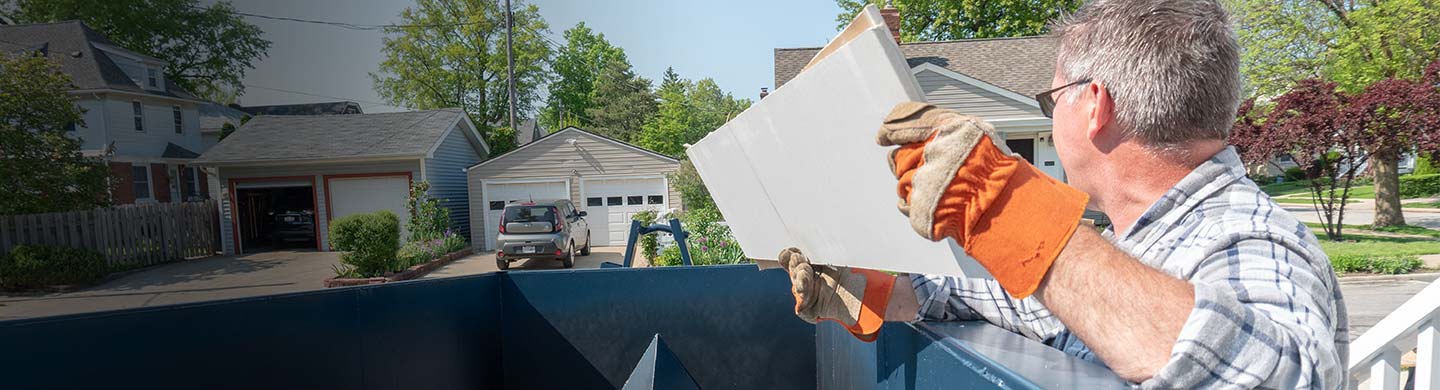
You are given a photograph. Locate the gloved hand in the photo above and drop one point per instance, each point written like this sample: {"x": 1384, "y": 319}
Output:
{"x": 855, "y": 298}
{"x": 958, "y": 181}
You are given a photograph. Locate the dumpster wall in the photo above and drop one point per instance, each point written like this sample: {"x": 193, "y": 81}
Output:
{"x": 437, "y": 334}
{"x": 731, "y": 326}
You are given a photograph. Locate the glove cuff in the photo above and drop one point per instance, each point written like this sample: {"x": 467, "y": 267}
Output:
{"x": 1025, "y": 228}
{"x": 873, "y": 304}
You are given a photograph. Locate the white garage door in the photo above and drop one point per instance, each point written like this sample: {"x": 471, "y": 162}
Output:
{"x": 612, "y": 203}
{"x": 369, "y": 194}
{"x": 499, "y": 194}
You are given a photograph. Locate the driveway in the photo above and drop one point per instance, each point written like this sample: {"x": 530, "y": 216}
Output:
{"x": 211, "y": 278}
{"x": 1370, "y": 300}
{"x": 483, "y": 262}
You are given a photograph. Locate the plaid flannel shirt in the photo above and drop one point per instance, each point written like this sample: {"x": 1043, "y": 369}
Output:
{"x": 1268, "y": 311}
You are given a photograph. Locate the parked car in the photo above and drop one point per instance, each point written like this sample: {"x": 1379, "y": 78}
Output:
{"x": 294, "y": 226}
{"x": 549, "y": 229}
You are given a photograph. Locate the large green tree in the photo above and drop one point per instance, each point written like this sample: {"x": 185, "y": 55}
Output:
{"x": 687, "y": 112}
{"x": 622, "y": 101}
{"x": 576, "y": 67}
{"x": 208, "y": 48}
{"x": 43, "y": 168}
{"x": 939, "y": 20}
{"x": 451, "y": 53}
{"x": 1284, "y": 41}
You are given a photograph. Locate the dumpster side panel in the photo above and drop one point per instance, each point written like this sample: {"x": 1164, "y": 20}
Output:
{"x": 436, "y": 335}
{"x": 732, "y": 327}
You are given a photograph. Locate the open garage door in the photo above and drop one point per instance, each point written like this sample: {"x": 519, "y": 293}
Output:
{"x": 612, "y": 203}
{"x": 354, "y": 195}
{"x": 499, "y": 194}
{"x": 273, "y": 214}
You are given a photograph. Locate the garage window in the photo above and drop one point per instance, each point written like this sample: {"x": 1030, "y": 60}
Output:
{"x": 497, "y": 205}
{"x": 634, "y": 199}
{"x": 655, "y": 199}
{"x": 613, "y": 201}
{"x": 594, "y": 201}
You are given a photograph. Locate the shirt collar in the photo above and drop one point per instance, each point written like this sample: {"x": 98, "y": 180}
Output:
{"x": 1205, "y": 180}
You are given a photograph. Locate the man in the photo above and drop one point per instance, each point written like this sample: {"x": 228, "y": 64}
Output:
{"x": 1200, "y": 281}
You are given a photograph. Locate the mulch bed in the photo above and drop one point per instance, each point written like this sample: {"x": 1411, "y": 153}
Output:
{"x": 413, "y": 272}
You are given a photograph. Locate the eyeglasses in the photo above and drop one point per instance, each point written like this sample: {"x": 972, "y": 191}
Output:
{"x": 1047, "y": 98}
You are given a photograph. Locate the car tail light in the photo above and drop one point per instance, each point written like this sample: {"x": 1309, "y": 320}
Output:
{"x": 500, "y": 254}
{"x": 558, "y": 253}
{"x": 559, "y": 223}
{"x": 502, "y": 227}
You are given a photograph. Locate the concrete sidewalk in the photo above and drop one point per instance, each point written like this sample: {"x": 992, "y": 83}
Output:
{"x": 483, "y": 262}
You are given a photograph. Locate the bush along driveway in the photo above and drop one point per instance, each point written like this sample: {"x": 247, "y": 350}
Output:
{"x": 1392, "y": 250}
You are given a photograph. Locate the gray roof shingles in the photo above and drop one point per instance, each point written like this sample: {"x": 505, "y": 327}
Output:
{"x": 1022, "y": 65}
{"x": 305, "y": 137}
{"x": 91, "y": 68}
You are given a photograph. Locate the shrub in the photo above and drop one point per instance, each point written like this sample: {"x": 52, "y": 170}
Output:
{"x": 710, "y": 241}
{"x": 649, "y": 243}
{"x": 1419, "y": 186}
{"x": 1294, "y": 174}
{"x": 1399, "y": 264}
{"x": 667, "y": 258}
{"x": 428, "y": 221}
{"x": 371, "y": 242}
{"x": 417, "y": 252}
{"x": 31, "y": 266}
{"x": 1424, "y": 166}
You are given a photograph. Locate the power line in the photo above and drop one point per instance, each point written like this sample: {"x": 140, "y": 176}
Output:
{"x": 345, "y": 25}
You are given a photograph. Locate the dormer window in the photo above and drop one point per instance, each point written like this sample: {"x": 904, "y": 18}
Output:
{"x": 152, "y": 77}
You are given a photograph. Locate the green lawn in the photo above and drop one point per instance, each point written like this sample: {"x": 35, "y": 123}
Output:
{"x": 1305, "y": 201}
{"x": 1422, "y": 205}
{"x": 1416, "y": 230}
{"x": 1302, "y": 189}
{"x": 1376, "y": 246}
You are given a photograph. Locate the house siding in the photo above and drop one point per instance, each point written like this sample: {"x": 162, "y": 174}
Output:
{"x": 553, "y": 158}
{"x": 316, "y": 171}
{"x": 446, "y": 174}
{"x": 159, "y": 127}
{"x": 950, "y": 93}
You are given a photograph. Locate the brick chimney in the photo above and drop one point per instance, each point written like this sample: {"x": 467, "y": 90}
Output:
{"x": 764, "y": 92}
{"x": 892, "y": 19}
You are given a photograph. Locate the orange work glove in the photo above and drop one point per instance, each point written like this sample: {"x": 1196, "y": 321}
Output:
{"x": 855, "y": 298}
{"x": 957, "y": 181}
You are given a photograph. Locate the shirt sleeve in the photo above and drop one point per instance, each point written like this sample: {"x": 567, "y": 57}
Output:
{"x": 945, "y": 298}
{"x": 1265, "y": 315}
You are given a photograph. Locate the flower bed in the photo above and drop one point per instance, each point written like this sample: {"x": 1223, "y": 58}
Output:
{"x": 412, "y": 272}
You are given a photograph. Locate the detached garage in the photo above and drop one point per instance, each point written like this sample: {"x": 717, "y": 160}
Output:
{"x": 282, "y": 179}
{"x": 610, "y": 179}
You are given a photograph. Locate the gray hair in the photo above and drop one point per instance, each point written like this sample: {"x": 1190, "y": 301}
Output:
{"x": 1171, "y": 66}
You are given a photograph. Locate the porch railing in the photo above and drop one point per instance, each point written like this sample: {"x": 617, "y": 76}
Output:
{"x": 1416, "y": 324}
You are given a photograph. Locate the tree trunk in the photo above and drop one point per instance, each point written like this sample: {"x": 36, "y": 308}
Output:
{"x": 1385, "y": 164}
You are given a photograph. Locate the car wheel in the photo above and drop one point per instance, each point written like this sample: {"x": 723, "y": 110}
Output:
{"x": 502, "y": 264}
{"x": 569, "y": 260}
{"x": 586, "y": 250}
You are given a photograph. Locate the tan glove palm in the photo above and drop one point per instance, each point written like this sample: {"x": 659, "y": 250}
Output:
{"x": 855, "y": 298}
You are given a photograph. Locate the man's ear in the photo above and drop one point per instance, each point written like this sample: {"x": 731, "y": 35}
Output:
{"x": 1102, "y": 109}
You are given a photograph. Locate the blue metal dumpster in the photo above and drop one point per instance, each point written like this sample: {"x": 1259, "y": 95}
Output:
{"x": 731, "y": 327}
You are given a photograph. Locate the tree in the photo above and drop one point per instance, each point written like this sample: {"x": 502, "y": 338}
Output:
{"x": 622, "y": 101}
{"x": 451, "y": 53}
{"x": 940, "y": 20}
{"x": 1308, "y": 124}
{"x": 688, "y": 111}
{"x": 208, "y": 49}
{"x": 1395, "y": 116}
{"x": 693, "y": 193}
{"x": 576, "y": 67}
{"x": 1284, "y": 41}
{"x": 43, "y": 168}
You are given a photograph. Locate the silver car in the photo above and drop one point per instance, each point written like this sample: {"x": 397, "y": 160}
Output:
{"x": 546, "y": 229}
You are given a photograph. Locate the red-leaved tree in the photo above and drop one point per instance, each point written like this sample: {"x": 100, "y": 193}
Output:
{"x": 1307, "y": 124}
{"x": 1394, "y": 117}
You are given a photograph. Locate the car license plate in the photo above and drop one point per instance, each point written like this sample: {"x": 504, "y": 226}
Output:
{"x": 527, "y": 249}
{"x": 289, "y": 219}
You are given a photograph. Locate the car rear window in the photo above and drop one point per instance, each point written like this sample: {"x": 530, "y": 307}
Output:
{"x": 529, "y": 214}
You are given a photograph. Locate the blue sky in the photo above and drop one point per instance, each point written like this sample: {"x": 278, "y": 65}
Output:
{"x": 729, "y": 41}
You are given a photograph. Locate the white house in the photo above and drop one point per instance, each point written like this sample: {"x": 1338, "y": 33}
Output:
{"x": 146, "y": 127}
{"x": 995, "y": 79}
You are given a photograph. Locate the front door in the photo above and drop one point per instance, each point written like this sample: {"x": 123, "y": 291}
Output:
{"x": 1023, "y": 147}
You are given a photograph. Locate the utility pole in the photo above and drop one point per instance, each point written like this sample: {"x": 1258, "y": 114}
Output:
{"x": 510, "y": 61}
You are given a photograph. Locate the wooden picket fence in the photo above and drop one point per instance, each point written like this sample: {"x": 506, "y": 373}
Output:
{"x": 131, "y": 235}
